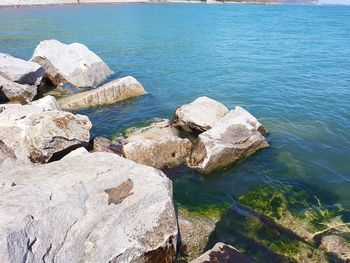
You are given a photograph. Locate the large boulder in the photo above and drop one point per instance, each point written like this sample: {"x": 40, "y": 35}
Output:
{"x": 199, "y": 115}
{"x": 15, "y": 92}
{"x": 157, "y": 145}
{"x": 101, "y": 144}
{"x": 90, "y": 207}
{"x": 233, "y": 137}
{"x": 20, "y": 71}
{"x": 32, "y": 134}
{"x": 112, "y": 92}
{"x": 222, "y": 253}
{"x": 73, "y": 63}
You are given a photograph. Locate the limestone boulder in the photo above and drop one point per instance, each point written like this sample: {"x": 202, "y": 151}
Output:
{"x": 89, "y": 207}
{"x": 222, "y": 253}
{"x": 112, "y": 92}
{"x": 157, "y": 145}
{"x": 15, "y": 92}
{"x": 73, "y": 63}
{"x": 233, "y": 137}
{"x": 101, "y": 144}
{"x": 199, "y": 115}
{"x": 30, "y": 133}
{"x": 20, "y": 71}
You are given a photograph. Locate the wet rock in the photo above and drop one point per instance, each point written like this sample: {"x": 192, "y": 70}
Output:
{"x": 15, "y": 92}
{"x": 101, "y": 144}
{"x": 222, "y": 253}
{"x": 33, "y": 134}
{"x": 338, "y": 246}
{"x": 199, "y": 115}
{"x": 112, "y": 92}
{"x": 157, "y": 145}
{"x": 73, "y": 63}
{"x": 235, "y": 136}
{"x": 20, "y": 71}
{"x": 90, "y": 207}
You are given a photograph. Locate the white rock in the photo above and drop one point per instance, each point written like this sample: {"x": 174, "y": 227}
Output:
{"x": 15, "y": 92}
{"x": 94, "y": 207}
{"x": 200, "y": 115}
{"x": 157, "y": 145}
{"x": 112, "y": 92}
{"x": 20, "y": 71}
{"x": 73, "y": 63}
{"x": 234, "y": 137}
{"x": 38, "y": 136}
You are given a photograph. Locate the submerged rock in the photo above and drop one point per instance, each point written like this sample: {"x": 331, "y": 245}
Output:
{"x": 222, "y": 253}
{"x": 157, "y": 145}
{"x": 36, "y": 132}
{"x": 199, "y": 115}
{"x": 112, "y": 92}
{"x": 235, "y": 136}
{"x": 20, "y": 71}
{"x": 90, "y": 207}
{"x": 338, "y": 246}
{"x": 73, "y": 63}
{"x": 15, "y": 92}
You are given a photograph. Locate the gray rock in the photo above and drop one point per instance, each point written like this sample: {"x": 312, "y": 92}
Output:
{"x": 112, "y": 92}
{"x": 235, "y": 136}
{"x": 336, "y": 245}
{"x": 91, "y": 207}
{"x": 33, "y": 134}
{"x": 20, "y": 71}
{"x": 101, "y": 144}
{"x": 199, "y": 115}
{"x": 157, "y": 145}
{"x": 15, "y": 92}
{"x": 73, "y": 63}
{"x": 222, "y": 253}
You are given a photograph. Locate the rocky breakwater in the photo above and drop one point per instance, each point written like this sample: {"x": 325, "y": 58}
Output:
{"x": 18, "y": 79}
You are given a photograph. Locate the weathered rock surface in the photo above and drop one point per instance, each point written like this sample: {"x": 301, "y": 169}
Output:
{"x": 200, "y": 115}
{"x": 36, "y": 133}
{"x": 20, "y": 71}
{"x": 73, "y": 63}
{"x": 90, "y": 207}
{"x": 222, "y": 253}
{"x": 101, "y": 144}
{"x": 15, "y": 92}
{"x": 112, "y": 92}
{"x": 233, "y": 137}
{"x": 338, "y": 246}
{"x": 157, "y": 145}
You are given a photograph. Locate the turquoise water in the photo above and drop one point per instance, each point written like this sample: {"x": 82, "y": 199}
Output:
{"x": 288, "y": 65}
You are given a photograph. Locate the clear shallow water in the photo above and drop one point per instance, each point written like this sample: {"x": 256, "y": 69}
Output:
{"x": 288, "y": 65}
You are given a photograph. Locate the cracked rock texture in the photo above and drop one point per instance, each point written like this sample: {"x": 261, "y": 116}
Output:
{"x": 73, "y": 63}
{"x": 15, "y": 92}
{"x": 112, "y": 92}
{"x": 88, "y": 207}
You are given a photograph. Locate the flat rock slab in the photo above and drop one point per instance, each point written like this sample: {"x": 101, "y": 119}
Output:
{"x": 112, "y": 92}
{"x": 222, "y": 253}
{"x": 157, "y": 145}
{"x": 73, "y": 63}
{"x": 199, "y": 115}
{"x": 15, "y": 92}
{"x": 90, "y": 207}
{"x": 20, "y": 71}
{"x": 233, "y": 137}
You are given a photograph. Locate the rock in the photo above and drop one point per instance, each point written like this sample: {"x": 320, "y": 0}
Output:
{"x": 39, "y": 135}
{"x": 200, "y": 115}
{"x": 101, "y": 144}
{"x": 338, "y": 246}
{"x": 20, "y": 71}
{"x": 74, "y": 63}
{"x": 13, "y": 112}
{"x": 235, "y": 136}
{"x": 112, "y": 92}
{"x": 92, "y": 207}
{"x": 222, "y": 253}
{"x": 12, "y": 91}
{"x": 157, "y": 145}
